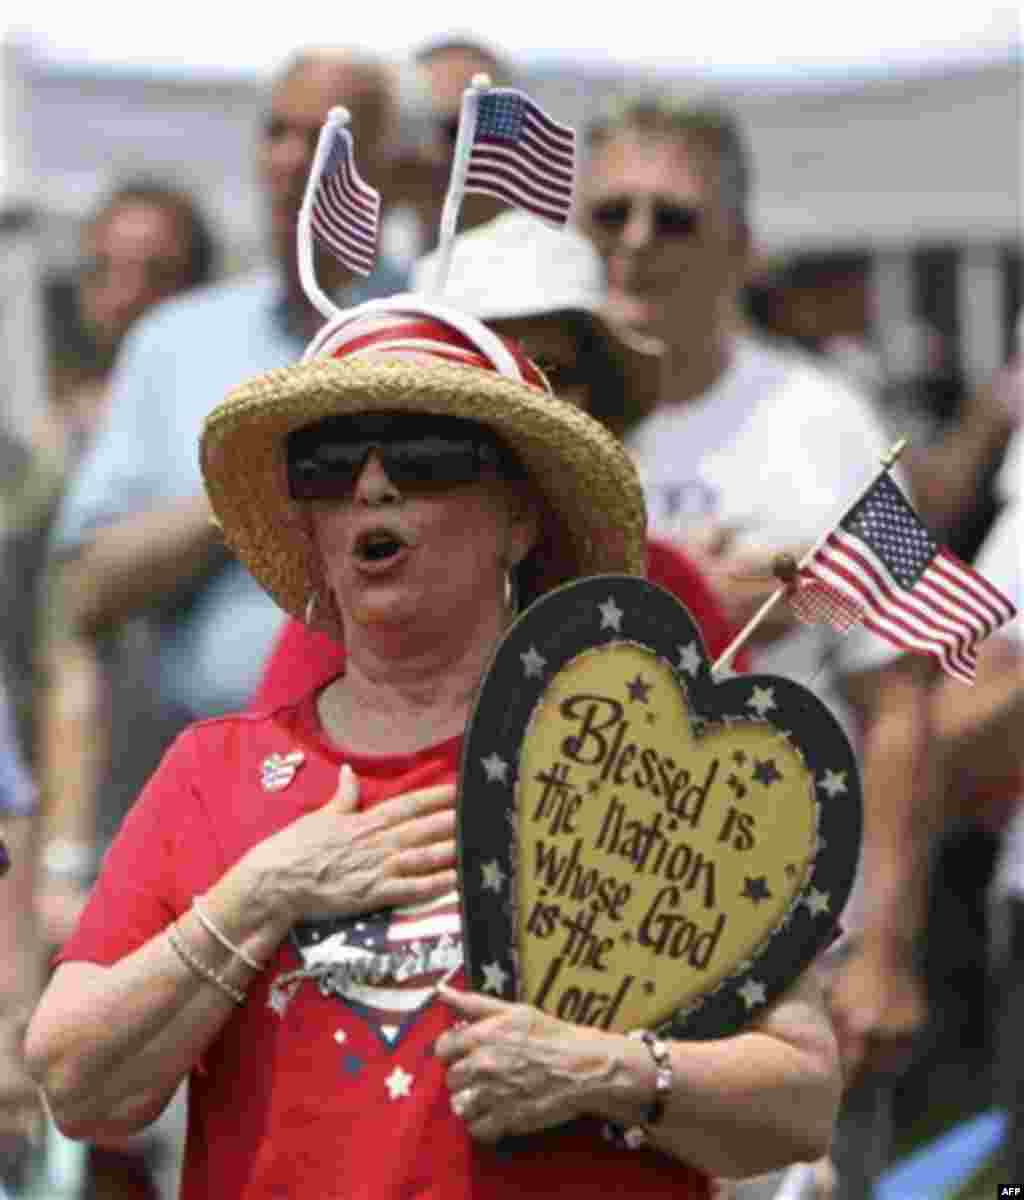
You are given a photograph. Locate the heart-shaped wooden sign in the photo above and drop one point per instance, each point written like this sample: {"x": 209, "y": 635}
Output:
{"x": 641, "y": 846}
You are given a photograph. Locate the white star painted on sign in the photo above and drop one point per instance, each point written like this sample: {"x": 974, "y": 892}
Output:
{"x": 496, "y": 768}
{"x": 762, "y": 700}
{"x": 834, "y": 783}
{"x": 398, "y": 1083}
{"x": 689, "y": 659}
{"x": 611, "y": 615}
{"x": 494, "y": 876}
{"x": 390, "y": 1032}
{"x": 533, "y": 662}
{"x": 495, "y": 977}
{"x": 340, "y": 1036}
{"x": 817, "y": 902}
{"x": 752, "y": 993}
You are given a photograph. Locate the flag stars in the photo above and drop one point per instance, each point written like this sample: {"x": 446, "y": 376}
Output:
{"x": 495, "y": 767}
{"x": 533, "y": 663}
{"x": 762, "y": 700}
{"x": 611, "y": 615}
{"x": 398, "y": 1083}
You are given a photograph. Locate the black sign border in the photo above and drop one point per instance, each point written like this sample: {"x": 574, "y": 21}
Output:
{"x": 558, "y": 627}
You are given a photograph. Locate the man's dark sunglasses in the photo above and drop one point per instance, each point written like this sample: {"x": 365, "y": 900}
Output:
{"x": 422, "y": 452}
{"x": 669, "y": 219}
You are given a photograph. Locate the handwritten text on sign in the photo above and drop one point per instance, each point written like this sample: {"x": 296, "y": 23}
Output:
{"x": 651, "y": 856}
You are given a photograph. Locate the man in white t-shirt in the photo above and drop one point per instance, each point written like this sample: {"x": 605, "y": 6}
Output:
{"x": 752, "y": 450}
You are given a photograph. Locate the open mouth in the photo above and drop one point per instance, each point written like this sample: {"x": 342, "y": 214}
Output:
{"x": 378, "y": 547}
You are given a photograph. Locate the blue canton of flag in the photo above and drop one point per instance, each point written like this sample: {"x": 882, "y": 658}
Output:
{"x": 882, "y": 566}
{"x": 346, "y": 211}
{"x": 522, "y": 156}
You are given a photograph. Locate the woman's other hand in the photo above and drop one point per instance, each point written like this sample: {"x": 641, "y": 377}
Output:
{"x": 513, "y": 1069}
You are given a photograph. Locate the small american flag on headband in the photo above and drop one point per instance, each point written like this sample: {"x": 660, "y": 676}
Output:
{"x": 345, "y": 213}
{"x": 521, "y": 156}
{"x": 881, "y": 567}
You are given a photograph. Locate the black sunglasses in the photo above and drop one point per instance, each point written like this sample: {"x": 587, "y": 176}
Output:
{"x": 325, "y": 460}
{"x": 668, "y": 218}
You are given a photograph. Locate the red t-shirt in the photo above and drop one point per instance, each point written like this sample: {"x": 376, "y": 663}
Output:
{"x": 335, "y": 1094}
{"x": 302, "y": 659}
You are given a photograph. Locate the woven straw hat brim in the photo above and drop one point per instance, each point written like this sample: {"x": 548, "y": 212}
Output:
{"x": 597, "y": 518}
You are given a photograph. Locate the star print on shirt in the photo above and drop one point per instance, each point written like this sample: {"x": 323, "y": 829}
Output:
{"x": 398, "y": 1083}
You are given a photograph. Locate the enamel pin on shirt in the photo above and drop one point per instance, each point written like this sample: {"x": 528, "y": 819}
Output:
{"x": 278, "y": 770}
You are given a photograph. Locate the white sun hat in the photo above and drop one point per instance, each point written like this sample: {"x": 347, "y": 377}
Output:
{"x": 518, "y": 267}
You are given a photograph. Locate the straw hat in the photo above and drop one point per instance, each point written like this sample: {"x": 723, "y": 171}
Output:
{"x": 518, "y": 267}
{"x": 408, "y": 354}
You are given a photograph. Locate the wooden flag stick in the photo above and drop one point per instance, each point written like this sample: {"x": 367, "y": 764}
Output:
{"x": 788, "y": 571}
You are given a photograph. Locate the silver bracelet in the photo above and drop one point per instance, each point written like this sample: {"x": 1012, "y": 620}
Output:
{"x": 207, "y": 923}
{"x": 199, "y": 968}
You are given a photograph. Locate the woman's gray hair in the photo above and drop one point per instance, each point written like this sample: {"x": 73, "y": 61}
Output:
{"x": 705, "y": 121}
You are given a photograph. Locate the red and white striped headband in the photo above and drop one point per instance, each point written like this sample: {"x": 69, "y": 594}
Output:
{"x": 410, "y": 326}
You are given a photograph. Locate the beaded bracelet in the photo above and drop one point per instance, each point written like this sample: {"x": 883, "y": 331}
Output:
{"x": 198, "y": 967}
{"x": 636, "y": 1135}
{"x": 207, "y": 923}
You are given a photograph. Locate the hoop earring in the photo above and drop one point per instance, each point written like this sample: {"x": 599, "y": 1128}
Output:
{"x": 311, "y": 606}
{"x": 511, "y": 590}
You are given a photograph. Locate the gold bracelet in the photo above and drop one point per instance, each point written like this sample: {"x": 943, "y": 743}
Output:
{"x": 207, "y": 923}
{"x": 199, "y": 968}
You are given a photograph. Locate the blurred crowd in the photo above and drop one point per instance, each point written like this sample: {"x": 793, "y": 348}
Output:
{"x": 755, "y": 398}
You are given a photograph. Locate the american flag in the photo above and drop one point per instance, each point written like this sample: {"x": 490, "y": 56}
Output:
{"x": 346, "y": 211}
{"x": 881, "y": 566}
{"x": 384, "y": 964}
{"x": 522, "y": 156}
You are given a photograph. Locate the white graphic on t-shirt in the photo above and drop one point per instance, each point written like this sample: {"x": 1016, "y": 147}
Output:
{"x": 386, "y": 964}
